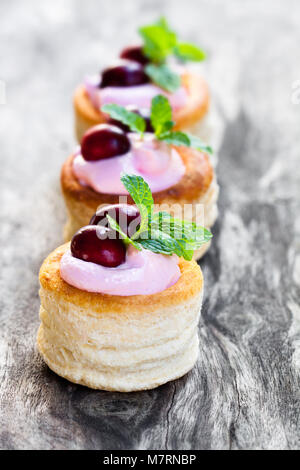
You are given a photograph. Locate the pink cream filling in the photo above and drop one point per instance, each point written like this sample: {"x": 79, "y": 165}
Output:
{"x": 137, "y": 276}
{"x": 160, "y": 165}
{"x": 140, "y": 95}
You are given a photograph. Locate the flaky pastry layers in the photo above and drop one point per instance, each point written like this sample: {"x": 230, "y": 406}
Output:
{"x": 86, "y": 115}
{"x": 119, "y": 343}
{"x": 197, "y": 187}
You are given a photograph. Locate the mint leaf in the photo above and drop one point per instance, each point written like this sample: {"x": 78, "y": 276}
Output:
{"x": 183, "y": 231}
{"x": 161, "y": 114}
{"x": 141, "y": 194}
{"x": 162, "y": 243}
{"x": 139, "y": 191}
{"x": 188, "y": 235}
{"x": 163, "y": 76}
{"x": 160, "y": 232}
{"x": 198, "y": 144}
{"x": 159, "y": 40}
{"x": 188, "y": 52}
{"x": 175, "y": 138}
{"x": 115, "y": 226}
{"x": 135, "y": 122}
{"x": 187, "y": 140}
{"x": 157, "y": 246}
{"x": 161, "y": 120}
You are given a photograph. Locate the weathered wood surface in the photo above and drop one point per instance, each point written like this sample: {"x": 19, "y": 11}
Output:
{"x": 244, "y": 391}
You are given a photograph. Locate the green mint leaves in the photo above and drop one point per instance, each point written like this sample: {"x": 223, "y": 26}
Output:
{"x": 175, "y": 138}
{"x": 163, "y": 76}
{"x": 161, "y": 115}
{"x": 160, "y": 232}
{"x": 188, "y": 52}
{"x": 142, "y": 196}
{"x": 160, "y": 42}
{"x": 198, "y": 144}
{"x": 135, "y": 122}
{"x": 185, "y": 235}
{"x": 161, "y": 120}
{"x": 187, "y": 140}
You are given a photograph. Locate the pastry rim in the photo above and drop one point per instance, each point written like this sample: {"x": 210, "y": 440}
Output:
{"x": 189, "y": 284}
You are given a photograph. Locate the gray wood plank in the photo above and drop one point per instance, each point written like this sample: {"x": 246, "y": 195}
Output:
{"x": 244, "y": 391}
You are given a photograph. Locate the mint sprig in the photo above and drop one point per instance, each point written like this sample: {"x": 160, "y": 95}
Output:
{"x": 133, "y": 120}
{"x": 161, "y": 120}
{"x": 159, "y": 232}
{"x": 160, "y": 42}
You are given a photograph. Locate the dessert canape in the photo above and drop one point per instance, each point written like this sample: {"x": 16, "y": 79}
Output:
{"x": 175, "y": 165}
{"x": 143, "y": 72}
{"x": 120, "y": 304}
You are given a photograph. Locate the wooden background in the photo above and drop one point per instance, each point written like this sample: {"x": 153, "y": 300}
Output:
{"x": 244, "y": 391}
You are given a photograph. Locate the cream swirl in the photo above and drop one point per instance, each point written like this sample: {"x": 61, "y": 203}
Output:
{"x": 137, "y": 276}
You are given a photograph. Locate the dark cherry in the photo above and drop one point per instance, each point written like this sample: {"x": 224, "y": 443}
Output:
{"x": 136, "y": 54}
{"x": 144, "y": 112}
{"x": 126, "y": 73}
{"x": 97, "y": 245}
{"x": 128, "y": 217}
{"x": 104, "y": 141}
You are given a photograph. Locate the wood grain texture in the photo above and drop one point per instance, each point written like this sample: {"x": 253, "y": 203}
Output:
{"x": 244, "y": 391}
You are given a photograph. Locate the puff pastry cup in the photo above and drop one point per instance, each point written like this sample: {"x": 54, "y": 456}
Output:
{"x": 86, "y": 115}
{"x": 198, "y": 186}
{"x": 119, "y": 343}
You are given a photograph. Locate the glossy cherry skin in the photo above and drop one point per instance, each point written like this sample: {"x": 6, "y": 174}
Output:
{"x": 92, "y": 243}
{"x": 136, "y": 54}
{"x": 128, "y": 217}
{"x": 143, "y": 112}
{"x": 126, "y": 73}
{"x": 104, "y": 141}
